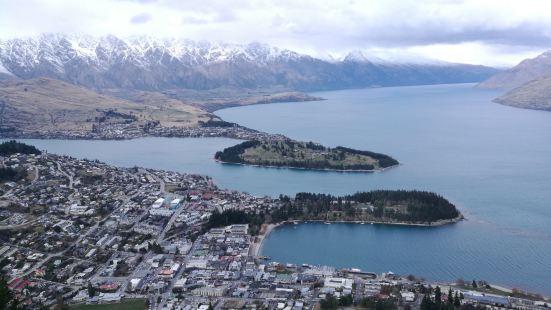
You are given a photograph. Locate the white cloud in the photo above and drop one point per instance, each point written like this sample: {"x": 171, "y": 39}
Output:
{"x": 495, "y": 32}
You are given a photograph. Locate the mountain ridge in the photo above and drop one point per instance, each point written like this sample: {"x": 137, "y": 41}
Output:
{"x": 527, "y": 70}
{"x": 147, "y": 63}
{"x": 535, "y": 95}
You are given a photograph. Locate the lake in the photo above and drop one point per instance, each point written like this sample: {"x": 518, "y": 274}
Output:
{"x": 492, "y": 161}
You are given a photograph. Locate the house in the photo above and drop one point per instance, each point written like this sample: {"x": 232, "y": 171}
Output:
{"x": 110, "y": 297}
{"x": 333, "y": 282}
{"x": 408, "y": 296}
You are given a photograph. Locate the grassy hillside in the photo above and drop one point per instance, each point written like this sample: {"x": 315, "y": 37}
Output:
{"x": 532, "y": 95}
{"x": 51, "y": 105}
{"x": 303, "y": 155}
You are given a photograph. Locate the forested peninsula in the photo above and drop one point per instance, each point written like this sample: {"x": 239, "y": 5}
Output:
{"x": 418, "y": 208}
{"x": 305, "y": 155}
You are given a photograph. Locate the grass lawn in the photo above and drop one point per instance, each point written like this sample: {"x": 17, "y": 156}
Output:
{"x": 132, "y": 304}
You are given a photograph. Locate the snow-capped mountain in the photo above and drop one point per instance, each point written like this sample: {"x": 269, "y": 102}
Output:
{"x": 393, "y": 58}
{"x": 155, "y": 64}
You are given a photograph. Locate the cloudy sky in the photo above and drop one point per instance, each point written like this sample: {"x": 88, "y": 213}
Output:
{"x": 490, "y": 32}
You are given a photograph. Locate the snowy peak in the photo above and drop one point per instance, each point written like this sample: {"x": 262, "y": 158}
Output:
{"x": 387, "y": 57}
{"x": 148, "y": 63}
{"x": 144, "y": 51}
{"x": 359, "y": 56}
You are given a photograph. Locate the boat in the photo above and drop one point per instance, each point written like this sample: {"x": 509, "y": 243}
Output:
{"x": 327, "y": 223}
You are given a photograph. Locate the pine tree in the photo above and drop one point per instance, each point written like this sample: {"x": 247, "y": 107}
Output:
{"x": 91, "y": 290}
{"x": 426, "y": 303}
{"x": 438, "y": 296}
{"x": 474, "y": 284}
{"x": 450, "y": 296}
{"x": 5, "y": 294}
{"x": 456, "y": 300}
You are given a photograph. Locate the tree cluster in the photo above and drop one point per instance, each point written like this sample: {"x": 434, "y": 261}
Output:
{"x": 232, "y": 154}
{"x": 437, "y": 303}
{"x": 12, "y": 147}
{"x": 384, "y": 160}
{"x": 8, "y": 174}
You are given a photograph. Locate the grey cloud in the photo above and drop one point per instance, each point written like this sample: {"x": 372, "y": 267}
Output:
{"x": 524, "y": 34}
{"x": 225, "y": 16}
{"x": 141, "y": 18}
{"x": 195, "y": 20}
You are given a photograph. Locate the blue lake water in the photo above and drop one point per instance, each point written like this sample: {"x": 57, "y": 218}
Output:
{"x": 492, "y": 161}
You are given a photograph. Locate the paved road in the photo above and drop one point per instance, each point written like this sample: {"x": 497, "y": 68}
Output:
{"x": 69, "y": 176}
{"x": 36, "y": 174}
{"x": 169, "y": 224}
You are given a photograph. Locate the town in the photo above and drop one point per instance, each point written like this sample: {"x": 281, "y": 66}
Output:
{"x": 76, "y": 231}
{"x": 130, "y": 130}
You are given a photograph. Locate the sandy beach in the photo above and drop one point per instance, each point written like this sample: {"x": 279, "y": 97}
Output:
{"x": 264, "y": 232}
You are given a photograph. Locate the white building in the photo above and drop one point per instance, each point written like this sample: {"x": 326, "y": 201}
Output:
{"x": 408, "y": 296}
{"x": 158, "y": 203}
{"x": 175, "y": 204}
{"x": 161, "y": 212}
{"x": 335, "y": 283}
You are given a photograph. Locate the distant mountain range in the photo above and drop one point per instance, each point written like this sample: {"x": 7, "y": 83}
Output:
{"x": 143, "y": 63}
{"x": 528, "y": 84}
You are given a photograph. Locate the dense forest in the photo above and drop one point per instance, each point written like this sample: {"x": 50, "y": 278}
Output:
{"x": 398, "y": 205}
{"x": 309, "y": 155}
{"x": 8, "y": 174}
{"x": 230, "y": 217}
{"x": 12, "y": 147}
{"x": 387, "y": 206}
{"x": 232, "y": 153}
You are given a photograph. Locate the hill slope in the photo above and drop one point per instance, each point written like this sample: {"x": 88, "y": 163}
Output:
{"x": 525, "y": 71}
{"x": 48, "y": 105}
{"x": 535, "y": 94}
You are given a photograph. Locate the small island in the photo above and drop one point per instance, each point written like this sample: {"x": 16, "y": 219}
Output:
{"x": 303, "y": 155}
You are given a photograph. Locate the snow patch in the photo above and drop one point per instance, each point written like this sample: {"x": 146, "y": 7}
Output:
{"x": 3, "y": 69}
{"x": 389, "y": 57}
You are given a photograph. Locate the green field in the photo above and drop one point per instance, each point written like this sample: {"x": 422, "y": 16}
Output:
{"x": 134, "y": 304}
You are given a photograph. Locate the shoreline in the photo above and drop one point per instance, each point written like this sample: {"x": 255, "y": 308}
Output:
{"x": 311, "y": 169}
{"x": 257, "y": 245}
